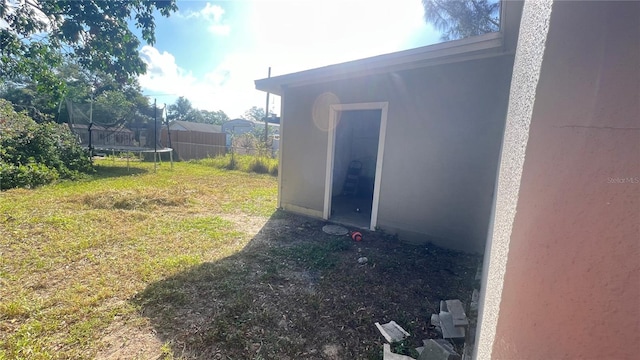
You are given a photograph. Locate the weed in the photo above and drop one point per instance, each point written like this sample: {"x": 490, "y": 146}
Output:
{"x": 404, "y": 347}
{"x": 244, "y": 163}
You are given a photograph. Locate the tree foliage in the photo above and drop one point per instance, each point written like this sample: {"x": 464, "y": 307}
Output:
{"x": 95, "y": 33}
{"x": 33, "y": 154}
{"x": 180, "y": 110}
{"x": 458, "y": 19}
{"x": 114, "y": 102}
{"x": 183, "y": 110}
{"x": 214, "y": 117}
{"x": 255, "y": 114}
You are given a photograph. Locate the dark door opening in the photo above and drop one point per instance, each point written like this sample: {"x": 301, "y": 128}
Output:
{"x": 354, "y": 166}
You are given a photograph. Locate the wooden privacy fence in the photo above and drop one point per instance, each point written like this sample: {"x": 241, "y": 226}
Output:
{"x": 190, "y": 145}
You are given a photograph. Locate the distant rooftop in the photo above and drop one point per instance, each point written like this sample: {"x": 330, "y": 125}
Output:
{"x": 198, "y": 127}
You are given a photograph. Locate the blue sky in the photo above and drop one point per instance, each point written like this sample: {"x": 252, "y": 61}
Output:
{"x": 211, "y": 51}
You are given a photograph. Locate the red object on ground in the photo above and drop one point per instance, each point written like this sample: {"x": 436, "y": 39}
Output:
{"x": 356, "y": 235}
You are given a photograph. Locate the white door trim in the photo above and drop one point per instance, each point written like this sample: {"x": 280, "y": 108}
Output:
{"x": 328, "y": 183}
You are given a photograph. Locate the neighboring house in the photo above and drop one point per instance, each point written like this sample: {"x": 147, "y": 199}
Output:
{"x": 525, "y": 144}
{"x": 104, "y": 137}
{"x": 237, "y": 127}
{"x": 191, "y": 140}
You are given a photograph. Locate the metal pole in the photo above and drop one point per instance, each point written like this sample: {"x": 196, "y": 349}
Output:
{"x": 164, "y": 111}
{"x": 233, "y": 136}
{"x": 266, "y": 115}
{"x": 155, "y": 135}
{"x": 90, "y": 128}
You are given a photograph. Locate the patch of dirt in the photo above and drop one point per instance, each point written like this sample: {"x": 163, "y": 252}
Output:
{"x": 125, "y": 341}
{"x": 295, "y": 292}
{"x": 247, "y": 223}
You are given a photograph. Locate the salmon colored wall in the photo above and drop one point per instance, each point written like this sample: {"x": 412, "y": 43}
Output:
{"x": 572, "y": 279}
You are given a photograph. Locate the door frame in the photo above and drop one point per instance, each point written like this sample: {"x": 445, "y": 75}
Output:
{"x": 331, "y": 140}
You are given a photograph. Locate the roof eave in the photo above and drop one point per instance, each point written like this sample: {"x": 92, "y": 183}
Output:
{"x": 453, "y": 51}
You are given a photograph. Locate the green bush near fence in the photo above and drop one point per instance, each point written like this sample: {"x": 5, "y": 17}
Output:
{"x": 33, "y": 154}
{"x": 246, "y": 163}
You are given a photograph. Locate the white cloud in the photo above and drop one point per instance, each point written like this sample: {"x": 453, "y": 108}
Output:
{"x": 162, "y": 71}
{"x": 229, "y": 87}
{"x": 212, "y": 15}
{"x": 214, "y": 12}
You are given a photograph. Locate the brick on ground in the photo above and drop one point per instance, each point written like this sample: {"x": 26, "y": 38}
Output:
{"x": 457, "y": 311}
{"x": 438, "y": 349}
{"x": 449, "y": 330}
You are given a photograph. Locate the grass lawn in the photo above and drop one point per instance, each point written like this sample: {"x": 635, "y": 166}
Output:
{"x": 196, "y": 262}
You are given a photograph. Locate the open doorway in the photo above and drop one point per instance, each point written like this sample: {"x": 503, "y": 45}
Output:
{"x": 355, "y": 158}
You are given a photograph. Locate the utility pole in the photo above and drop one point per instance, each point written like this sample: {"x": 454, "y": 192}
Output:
{"x": 155, "y": 135}
{"x": 266, "y": 115}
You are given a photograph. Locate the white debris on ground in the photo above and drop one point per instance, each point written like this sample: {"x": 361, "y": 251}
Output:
{"x": 437, "y": 349}
{"x": 392, "y": 332}
{"x": 457, "y": 312}
{"x": 451, "y": 322}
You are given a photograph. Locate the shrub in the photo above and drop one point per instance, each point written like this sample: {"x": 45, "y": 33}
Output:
{"x": 29, "y": 175}
{"x": 33, "y": 154}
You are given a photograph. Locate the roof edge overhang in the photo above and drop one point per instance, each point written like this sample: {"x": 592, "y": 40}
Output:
{"x": 487, "y": 45}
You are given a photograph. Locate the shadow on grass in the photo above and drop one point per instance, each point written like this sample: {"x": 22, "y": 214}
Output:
{"x": 111, "y": 171}
{"x": 295, "y": 292}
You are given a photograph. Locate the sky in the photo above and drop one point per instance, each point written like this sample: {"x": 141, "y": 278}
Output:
{"x": 212, "y": 51}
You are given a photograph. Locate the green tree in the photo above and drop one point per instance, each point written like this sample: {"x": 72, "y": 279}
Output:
{"x": 27, "y": 98}
{"x": 181, "y": 110}
{"x": 37, "y": 34}
{"x": 458, "y": 19}
{"x": 255, "y": 114}
{"x": 214, "y": 117}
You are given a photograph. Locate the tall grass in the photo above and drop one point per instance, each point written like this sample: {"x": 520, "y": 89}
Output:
{"x": 245, "y": 163}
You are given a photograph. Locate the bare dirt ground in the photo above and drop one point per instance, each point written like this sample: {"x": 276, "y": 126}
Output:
{"x": 295, "y": 292}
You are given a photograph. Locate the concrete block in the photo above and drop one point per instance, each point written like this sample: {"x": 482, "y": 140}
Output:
{"x": 392, "y": 331}
{"x": 443, "y": 306}
{"x": 475, "y": 298}
{"x": 388, "y": 355}
{"x": 457, "y": 311}
{"x": 435, "y": 320}
{"x": 449, "y": 330}
{"x": 438, "y": 349}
